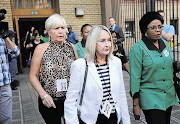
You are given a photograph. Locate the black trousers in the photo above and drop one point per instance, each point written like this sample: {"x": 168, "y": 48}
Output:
{"x": 155, "y": 116}
{"x": 102, "y": 119}
{"x": 52, "y": 115}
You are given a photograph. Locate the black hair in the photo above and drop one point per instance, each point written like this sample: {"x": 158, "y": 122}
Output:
{"x": 111, "y": 17}
{"x": 36, "y": 34}
{"x": 160, "y": 11}
{"x": 83, "y": 26}
{"x": 112, "y": 32}
{"x": 148, "y": 18}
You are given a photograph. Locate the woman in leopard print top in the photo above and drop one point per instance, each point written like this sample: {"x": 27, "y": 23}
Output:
{"x": 50, "y": 70}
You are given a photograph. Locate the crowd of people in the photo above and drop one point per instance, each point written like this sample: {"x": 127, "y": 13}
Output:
{"x": 82, "y": 81}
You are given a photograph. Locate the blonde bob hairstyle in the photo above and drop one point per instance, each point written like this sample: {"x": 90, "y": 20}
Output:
{"x": 93, "y": 37}
{"x": 55, "y": 21}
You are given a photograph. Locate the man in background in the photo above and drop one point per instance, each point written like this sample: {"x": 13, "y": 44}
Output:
{"x": 6, "y": 47}
{"x": 72, "y": 36}
{"x": 168, "y": 30}
{"x": 118, "y": 30}
{"x": 12, "y": 64}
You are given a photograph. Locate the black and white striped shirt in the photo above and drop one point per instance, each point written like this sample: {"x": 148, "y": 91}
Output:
{"x": 103, "y": 71}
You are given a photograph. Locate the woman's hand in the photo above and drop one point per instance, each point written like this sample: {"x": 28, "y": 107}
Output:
{"x": 136, "y": 112}
{"x": 29, "y": 45}
{"x": 48, "y": 101}
{"x": 136, "y": 109}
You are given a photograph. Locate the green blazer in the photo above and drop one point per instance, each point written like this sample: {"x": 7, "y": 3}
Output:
{"x": 80, "y": 50}
{"x": 152, "y": 75}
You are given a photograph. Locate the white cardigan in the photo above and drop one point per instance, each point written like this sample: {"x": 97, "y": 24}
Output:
{"x": 93, "y": 93}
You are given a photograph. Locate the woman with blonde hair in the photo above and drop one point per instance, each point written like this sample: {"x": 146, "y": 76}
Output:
{"x": 104, "y": 98}
{"x": 50, "y": 70}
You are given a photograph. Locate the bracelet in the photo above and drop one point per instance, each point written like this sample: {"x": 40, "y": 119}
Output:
{"x": 134, "y": 104}
{"x": 45, "y": 97}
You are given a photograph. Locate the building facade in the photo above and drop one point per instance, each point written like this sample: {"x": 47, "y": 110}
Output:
{"x": 22, "y": 14}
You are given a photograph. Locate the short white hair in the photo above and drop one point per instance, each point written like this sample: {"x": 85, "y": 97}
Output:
{"x": 54, "y": 21}
{"x": 93, "y": 37}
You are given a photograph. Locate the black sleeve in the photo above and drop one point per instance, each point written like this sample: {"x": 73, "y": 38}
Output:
{"x": 176, "y": 66}
{"x": 136, "y": 95}
{"x": 120, "y": 37}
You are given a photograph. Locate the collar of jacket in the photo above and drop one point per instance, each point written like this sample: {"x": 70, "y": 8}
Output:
{"x": 151, "y": 46}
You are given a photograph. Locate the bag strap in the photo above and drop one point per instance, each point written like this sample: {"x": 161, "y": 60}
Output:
{"x": 84, "y": 84}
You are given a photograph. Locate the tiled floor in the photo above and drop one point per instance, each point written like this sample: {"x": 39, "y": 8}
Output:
{"x": 25, "y": 105}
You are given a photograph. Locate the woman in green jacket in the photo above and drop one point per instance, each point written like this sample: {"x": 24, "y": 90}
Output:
{"x": 80, "y": 46}
{"x": 151, "y": 75}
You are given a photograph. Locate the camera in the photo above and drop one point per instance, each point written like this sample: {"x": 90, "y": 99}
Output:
{"x": 3, "y": 25}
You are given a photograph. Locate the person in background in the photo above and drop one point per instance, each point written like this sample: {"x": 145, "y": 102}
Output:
{"x": 7, "y": 47}
{"x": 50, "y": 70}
{"x": 33, "y": 44}
{"x": 118, "y": 30}
{"x": 151, "y": 75}
{"x": 26, "y": 52}
{"x": 12, "y": 64}
{"x": 168, "y": 31}
{"x": 45, "y": 37}
{"x": 72, "y": 36}
{"x": 35, "y": 31}
{"x": 119, "y": 52}
{"x": 80, "y": 46}
{"x": 104, "y": 99}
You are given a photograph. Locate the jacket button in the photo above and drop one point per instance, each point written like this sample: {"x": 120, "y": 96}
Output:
{"x": 160, "y": 55}
{"x": 164, "y": 91}
{"x": 163, "y": 68}
{"x": 163, "y": 80}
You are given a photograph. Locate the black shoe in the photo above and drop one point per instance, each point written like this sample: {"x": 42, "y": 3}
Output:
{"x": 15, "y": 83}
{"x": 13, "y": 88}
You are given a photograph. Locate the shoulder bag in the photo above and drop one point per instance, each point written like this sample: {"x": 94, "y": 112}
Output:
{"x": 82, "y": 92}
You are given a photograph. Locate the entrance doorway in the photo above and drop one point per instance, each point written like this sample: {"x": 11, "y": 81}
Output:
{"x": 25, "y": 25}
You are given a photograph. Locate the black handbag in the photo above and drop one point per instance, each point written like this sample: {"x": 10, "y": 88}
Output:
{"x": 177, "y": 85}
{"x": 82, "y": 92}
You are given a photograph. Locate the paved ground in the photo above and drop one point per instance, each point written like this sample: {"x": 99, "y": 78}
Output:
{"x": 25, "y": 106}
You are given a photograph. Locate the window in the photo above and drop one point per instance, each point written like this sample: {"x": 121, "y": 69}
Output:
{"x": 17, "y": 4}
{"x": 28, "y": 4}
{"x": 38, "y": 4}
{"x": 175, "y": 24}
{"x": 130, "y": 29}
{"x": 48, "y": 4}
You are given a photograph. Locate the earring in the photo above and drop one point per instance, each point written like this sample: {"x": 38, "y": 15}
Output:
{"x": 146, "y": 34}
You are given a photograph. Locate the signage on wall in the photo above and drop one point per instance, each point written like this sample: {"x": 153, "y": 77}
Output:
{"x": 34, "y": 12}
{"x": 79, "y": 12}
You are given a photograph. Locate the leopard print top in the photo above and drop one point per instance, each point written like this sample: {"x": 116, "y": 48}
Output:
{"x": 55, "y": 64}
